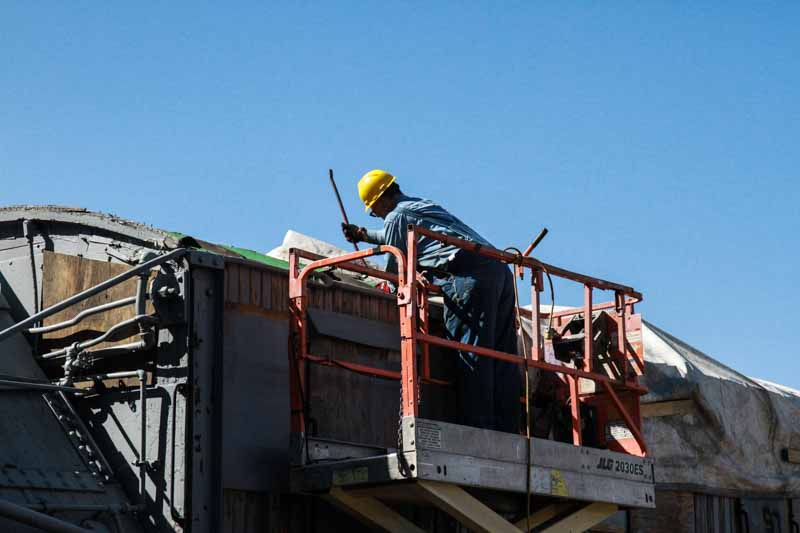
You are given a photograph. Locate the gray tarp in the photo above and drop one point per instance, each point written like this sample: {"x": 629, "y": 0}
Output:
{"x": 733, "y": 438}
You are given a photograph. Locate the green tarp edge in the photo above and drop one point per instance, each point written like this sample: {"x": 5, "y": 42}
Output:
{"x": 251, "y": 255}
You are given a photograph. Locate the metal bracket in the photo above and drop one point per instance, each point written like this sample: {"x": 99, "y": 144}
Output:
{"x": 205, "y": 259}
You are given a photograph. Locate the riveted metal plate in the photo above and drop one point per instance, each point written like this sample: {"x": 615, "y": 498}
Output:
{"x": 35, "y": 478}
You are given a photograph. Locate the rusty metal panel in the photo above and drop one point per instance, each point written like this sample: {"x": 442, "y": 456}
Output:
{"x": 362, "y": 331}
{"x": 255, "y": 412}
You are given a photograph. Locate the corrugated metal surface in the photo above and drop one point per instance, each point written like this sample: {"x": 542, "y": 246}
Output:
{"x": 674, "y": 513}
{"x": 714, "y": 514}
{"x": 267, "y": 289}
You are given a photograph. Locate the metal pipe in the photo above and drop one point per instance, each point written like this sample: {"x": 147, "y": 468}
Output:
{"x": 98, "y": 340}
{"x": 141, "y": 293}
{"x": 22, "y": 385}
{"x": 24, "y": 515}
{"x": 360, "y": 269}
{"x": 143, "y": 448}
{"x": 88, "y": 507}
{"x": 120, "y": 349}
{"x": 100, "y": 287}
{"x": 109, "y": 375}
{"x": 83, "y": 314}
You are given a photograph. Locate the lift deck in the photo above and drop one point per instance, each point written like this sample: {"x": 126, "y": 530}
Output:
{"x": 573, "y": 486}
{"x": 439, "y": 458}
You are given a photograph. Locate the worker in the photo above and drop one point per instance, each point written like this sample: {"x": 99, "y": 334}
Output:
{"x": 478, "y": 297}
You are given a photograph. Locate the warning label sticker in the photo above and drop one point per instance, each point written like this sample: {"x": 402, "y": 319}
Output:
{"x": 618, "y": 430}
{"x": 351, "y": 476}
{"x": 429, "y": 436}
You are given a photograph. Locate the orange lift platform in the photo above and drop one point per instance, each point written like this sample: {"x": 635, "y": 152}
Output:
{"x": 588, "y": 358}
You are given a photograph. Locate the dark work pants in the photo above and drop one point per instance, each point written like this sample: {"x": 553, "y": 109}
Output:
{"x": 479, "y": 310}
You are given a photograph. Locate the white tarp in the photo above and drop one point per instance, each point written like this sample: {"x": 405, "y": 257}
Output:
{"x": 295, "y": 239}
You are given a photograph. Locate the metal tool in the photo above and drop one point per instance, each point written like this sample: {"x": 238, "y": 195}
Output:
{"x": 519, "y": 269}
{"x": 341, "y": 205}
{"x": 535, "y": 242}
{"x": 341, "y": 208}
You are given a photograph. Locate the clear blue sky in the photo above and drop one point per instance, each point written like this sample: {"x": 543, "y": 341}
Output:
{"x": 658, "y": 141}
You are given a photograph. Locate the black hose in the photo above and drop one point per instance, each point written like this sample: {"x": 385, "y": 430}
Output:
{"x": 23, "y": 515}
{"x": 527, "y": 398}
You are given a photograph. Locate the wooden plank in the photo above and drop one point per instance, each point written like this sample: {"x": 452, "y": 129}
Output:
{"x": 465, "y": 508}
{"x": 372, "y": 511}
{"x": 266, "y": 290}
{"x": 255, "y": 287}
{"x": 66, "y": 275}
{"x": 791, "y": 455}
{"x": 244, "y": 285}
{"x": 583, "y": 519}
{"x": 232, "y": 282}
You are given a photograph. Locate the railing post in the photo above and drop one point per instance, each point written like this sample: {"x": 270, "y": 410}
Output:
{"x": 424, "y": 315}
{"x": 622, "y": 345}
{"x": 575, "y": 408}
{"x": 588, "y": 340}
{"x": 408, "y": 329}
{"x": 536, "y": 289}
{"x": 297, "y": 344}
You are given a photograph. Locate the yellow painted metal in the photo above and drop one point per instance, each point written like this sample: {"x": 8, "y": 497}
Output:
{"x": 459, "y": 504}
{"x": 543, "y": 515}
{"x": 583, "y": 519}
{"x": 372, "y": 511}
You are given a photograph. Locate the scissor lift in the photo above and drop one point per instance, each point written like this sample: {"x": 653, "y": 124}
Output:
{"x": 573, "y": 486}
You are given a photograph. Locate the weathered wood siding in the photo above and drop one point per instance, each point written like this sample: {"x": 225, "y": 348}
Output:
{"x": 343, "y": 405}
{"x": 66, "y": 275}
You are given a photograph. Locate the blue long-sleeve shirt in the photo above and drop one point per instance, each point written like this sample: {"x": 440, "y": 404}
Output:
{"x": 428, "y": 215}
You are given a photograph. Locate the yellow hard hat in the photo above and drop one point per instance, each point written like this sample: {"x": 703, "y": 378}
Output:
{"x": 372, "y": 185}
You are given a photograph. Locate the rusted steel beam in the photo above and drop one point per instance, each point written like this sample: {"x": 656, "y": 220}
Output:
{"x": 575, "y": 410}
{"x": 628, "y": 420}
{"x": 516, "y": 359}
{"x": 348, "y": 264}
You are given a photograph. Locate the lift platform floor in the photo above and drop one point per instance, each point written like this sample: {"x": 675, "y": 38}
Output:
{"x": 439, "y": 458}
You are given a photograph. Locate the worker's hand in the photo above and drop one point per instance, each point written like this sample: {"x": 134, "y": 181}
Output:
{"x": 353, "y": 233}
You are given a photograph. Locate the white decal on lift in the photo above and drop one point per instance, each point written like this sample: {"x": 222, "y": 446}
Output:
{"x": 540, "y": 481}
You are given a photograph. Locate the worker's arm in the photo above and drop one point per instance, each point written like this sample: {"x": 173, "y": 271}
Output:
{"x": 375, "y": 236}
{"x": 394, "y": 233}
